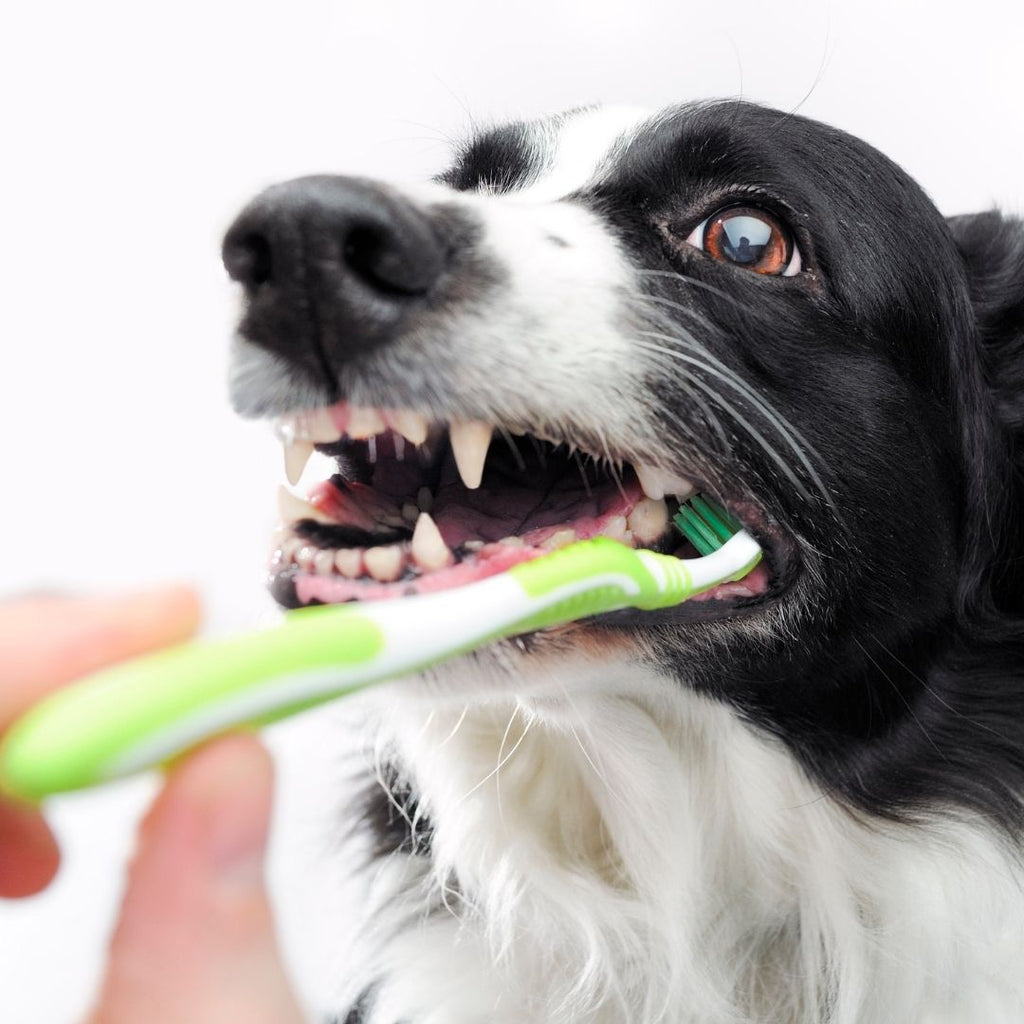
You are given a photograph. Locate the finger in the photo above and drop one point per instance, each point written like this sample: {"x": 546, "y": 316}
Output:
{"x": 29, "y": 857}
{"x": 48, "y": 641}
{"x": 195, "y": 941}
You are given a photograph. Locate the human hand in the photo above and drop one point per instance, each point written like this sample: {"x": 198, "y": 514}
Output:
{"x": 195, "y": 940}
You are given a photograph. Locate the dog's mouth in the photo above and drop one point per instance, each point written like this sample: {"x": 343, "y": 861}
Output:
{"x": 414, "y": 507}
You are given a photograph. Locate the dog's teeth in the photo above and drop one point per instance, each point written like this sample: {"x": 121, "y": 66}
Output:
{"x": 513, "y": 542}
{"x": 429, "y": 550}
{"x": 289, "y": 549}
{"x": 470, "y": 440}
{"x": 615, "y": 527}
{"x": 296, "y": 455}
{"x": 323, "y": 563}
{"x": 411, "y": 425}
{"x": 365, "y": 422}
{"x": 648, "y": 520}
{"x": 410, "y": 512}
{"x": 305, "y": 557}
{"x": 292, "y": 508}
{"x": 656, "y": 483}
{"x": 385, "y": 564}
{"x": 349, "y": 562}
{"x": 425, "y": 499}
{"x": 473, "y": 545}
{"x": 558, "y": 540}
{"x": 320, "y": 426}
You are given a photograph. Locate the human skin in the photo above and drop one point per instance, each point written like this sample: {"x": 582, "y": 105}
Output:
{"x": 195, "y": 938}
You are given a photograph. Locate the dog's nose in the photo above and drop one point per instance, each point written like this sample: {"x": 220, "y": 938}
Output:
{"x": 331, "y": 266}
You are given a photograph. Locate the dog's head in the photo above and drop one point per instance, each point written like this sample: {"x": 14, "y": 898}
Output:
{"x": 589, "y": 316}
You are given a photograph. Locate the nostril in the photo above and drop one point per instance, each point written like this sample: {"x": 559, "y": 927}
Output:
{"x": 387, "y": 263}
{"x": 247, "y": 259}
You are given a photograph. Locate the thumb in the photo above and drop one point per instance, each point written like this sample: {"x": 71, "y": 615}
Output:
{"x": 195, "y": 941}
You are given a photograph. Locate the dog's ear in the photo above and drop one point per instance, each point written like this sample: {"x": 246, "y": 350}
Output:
{"x": 992, "y": 247}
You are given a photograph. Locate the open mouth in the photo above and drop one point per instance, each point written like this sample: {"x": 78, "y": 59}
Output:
{"x": 414, "y": 507}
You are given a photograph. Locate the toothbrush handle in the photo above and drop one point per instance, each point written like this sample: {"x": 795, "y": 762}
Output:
{"x": 142, "y": 712}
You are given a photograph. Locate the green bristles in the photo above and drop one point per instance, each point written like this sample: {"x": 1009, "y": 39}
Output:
{"x": 705, "y": 524}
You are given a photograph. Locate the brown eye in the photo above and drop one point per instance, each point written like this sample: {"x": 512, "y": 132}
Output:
{"x": 750, "y": 238}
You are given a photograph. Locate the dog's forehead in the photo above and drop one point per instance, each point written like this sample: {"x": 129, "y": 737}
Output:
{"x": 580, "y": 147}
{"x": 548, "y": 159}
{"x": 665, "y": 153}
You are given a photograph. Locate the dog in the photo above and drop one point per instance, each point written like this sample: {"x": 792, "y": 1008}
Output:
{"x": 795, "y": 801}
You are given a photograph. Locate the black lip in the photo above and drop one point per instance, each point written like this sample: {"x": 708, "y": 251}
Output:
{"x": 281, "y": 584}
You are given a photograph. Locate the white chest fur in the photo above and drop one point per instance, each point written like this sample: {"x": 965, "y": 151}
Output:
{"x": 650, "y": 858}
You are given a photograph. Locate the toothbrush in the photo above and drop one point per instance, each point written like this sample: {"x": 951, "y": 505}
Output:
{"x": 144, "y": 712}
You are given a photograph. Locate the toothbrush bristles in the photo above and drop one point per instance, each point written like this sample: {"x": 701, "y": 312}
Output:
{"x": 705, "y": 524}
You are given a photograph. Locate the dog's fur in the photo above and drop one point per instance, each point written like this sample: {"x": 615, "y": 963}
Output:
{"x": 796, "y": 810}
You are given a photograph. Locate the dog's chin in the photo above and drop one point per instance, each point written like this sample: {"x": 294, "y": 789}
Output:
{"x": 415, "y": 508}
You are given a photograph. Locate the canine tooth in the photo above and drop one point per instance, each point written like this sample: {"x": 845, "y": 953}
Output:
{"x": 648, "y": 520}
{"x": 410, "y": 512}
{"x": 291, "y": 508}
{"x": 411, "y": 425}
{"x": 616, "y": 528}
{"x": 323, "y": 563}
{"x": 385, "y": 564}
{"x": 470, "y": 440}
{"x": 558, "y": 540}
{"x": 425, "y": 499}
{"x": 679, "y": 487}
{"x": 318, "y": 426}
{"x": 365, "y": 422}
{"x": 349, "y": 562}
{"x": 650, "y": 481}
{"x": 656, "y": 483}
{"x": 296, "y": 455}
{"x": 429, "y": 550}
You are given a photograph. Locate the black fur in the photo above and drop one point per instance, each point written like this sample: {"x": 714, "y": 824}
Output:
{"x": 899, "y": 358}
{"x": 387, "y": 810}
{"x": 499, "y": 160}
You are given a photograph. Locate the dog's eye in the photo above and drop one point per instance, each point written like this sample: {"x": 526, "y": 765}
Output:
{"x": 750, "y": 238}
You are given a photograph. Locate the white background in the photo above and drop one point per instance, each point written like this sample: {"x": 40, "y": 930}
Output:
{"x": 133, "y": 131}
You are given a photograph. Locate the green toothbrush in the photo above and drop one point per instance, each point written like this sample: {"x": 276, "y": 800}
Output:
{"x": 141, "y": 713}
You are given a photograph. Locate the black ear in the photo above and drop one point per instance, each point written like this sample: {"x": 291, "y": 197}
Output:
{"x": 992, "y": 246}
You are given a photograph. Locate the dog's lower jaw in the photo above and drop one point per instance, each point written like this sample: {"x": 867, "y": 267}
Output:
{"x": 610, "y": 864}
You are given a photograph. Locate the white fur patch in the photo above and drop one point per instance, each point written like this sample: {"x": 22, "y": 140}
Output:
{"x": 630, "y": 852}
{"x": 581, "y": 143}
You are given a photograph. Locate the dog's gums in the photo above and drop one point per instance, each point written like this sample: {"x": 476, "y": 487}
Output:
{"x": 415, "y": 508}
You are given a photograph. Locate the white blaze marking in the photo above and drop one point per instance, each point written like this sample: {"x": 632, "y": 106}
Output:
{"x": 582, "y": 143}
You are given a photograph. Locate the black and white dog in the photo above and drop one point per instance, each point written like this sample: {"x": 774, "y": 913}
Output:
{"x": 796, "y": 801}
